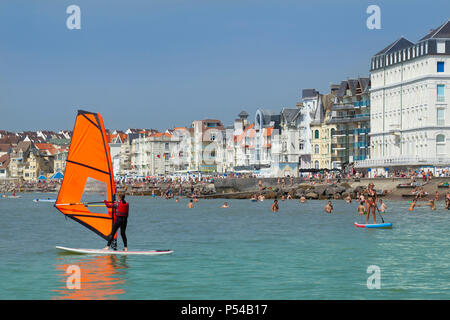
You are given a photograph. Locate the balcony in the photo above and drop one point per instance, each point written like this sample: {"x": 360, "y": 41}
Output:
{"x": 403, "y": 161}
{"x": 356, "y": 118}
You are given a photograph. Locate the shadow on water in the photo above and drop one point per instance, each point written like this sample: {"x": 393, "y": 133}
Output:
{"x": 101, "y": 277}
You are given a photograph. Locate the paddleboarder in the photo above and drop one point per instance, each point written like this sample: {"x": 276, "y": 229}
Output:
{"x": 371, "y": 202}
{"x": 121, "y": 216}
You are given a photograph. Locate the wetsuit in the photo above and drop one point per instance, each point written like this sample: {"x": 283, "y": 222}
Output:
{"x": 121, "y": 219}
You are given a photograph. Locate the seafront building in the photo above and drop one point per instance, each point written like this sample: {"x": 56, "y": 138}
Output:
{"x": 409, "y": 95}
{"x": 349, "y": 123}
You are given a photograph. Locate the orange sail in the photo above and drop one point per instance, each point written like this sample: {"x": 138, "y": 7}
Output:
{"x": 88, "y": 160}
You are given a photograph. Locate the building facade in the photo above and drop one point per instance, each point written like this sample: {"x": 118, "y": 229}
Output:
{"x": 410, "y": 91}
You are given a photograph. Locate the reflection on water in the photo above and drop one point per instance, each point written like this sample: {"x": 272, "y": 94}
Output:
{"x": 102, "y": 277}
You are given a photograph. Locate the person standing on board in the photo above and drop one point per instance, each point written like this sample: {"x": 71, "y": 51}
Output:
{"x": 371, "y": 202}
{"x": 121, "y": 216}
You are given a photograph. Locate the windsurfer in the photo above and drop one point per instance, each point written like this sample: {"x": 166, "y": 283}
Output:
{"x": 121, "y": 212}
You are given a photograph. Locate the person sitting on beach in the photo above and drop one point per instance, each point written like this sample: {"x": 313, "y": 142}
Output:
{"x": 261, "y": 197}
{"x": 329, "y": 207}
{"x": 383, "y": 206}
{"x": 225, "y": 205}
{"x": 436, "y": 196}
{"x": 191, "y": 204}
{"x": 361, "y": 209}
{"x": 289, "y": 197}
{"x": 282, "y": 198}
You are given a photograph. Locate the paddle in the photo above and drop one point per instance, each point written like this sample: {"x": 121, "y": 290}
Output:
{"x": 379, "y": 213}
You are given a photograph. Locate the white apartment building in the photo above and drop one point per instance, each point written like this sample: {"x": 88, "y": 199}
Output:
{"x": 409, "y": 96}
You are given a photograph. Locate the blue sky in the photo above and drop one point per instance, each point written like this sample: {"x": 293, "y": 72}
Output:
{"x": 164, "y": 63}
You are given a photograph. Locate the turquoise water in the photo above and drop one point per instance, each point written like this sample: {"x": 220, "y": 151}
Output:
{"x": 244, "y": 252}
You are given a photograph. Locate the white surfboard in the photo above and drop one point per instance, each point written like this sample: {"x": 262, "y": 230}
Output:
{"x": 117, "y": 252}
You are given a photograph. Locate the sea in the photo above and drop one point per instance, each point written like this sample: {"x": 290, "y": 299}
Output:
{"x": 243, "y": 252}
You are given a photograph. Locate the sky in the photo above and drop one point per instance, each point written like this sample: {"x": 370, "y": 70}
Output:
{"x": 165, "y": 63}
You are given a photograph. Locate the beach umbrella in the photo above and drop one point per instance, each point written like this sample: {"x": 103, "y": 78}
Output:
{"x": 42, "y": 177}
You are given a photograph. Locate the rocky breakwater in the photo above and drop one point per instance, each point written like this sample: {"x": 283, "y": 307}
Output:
{"x": 296, "y": 188}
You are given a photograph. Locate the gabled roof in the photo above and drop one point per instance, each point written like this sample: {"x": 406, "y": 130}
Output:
{"x": 397, "y": 45}
{"x": 290, "y": 115}
{"x": 365, "y": 84}
{"x": 441, "y": 32}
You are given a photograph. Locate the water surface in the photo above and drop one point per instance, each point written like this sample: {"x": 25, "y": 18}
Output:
{"x": 244, "y": 252}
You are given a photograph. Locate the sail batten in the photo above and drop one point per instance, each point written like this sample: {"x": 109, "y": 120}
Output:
{"x": 88, "y": 169}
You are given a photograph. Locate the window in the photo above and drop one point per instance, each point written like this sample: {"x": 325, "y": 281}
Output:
{"x": 440, "y": 117}
{"x": 213, "y": 137}
{"x": 316, "y": 164}
{"x": 440, "y": 92}
{"x": 300, "y": 146}
{"x": 440, "y": 66}
{"x": 440, "y": 47}
{"x": 440, "y": 144}
{"x": 316, "y": 134}
{"x": 316, "y": 149}
{"x": 166, "y": 146}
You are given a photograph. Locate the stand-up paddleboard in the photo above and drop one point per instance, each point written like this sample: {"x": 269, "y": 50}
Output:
{"x": 44, "y": 200}
{"x": 14, "y": 197}
{"x": 88, "y": 179}
{"x": 117, "y": 252}
{"x": 375, "y": 225}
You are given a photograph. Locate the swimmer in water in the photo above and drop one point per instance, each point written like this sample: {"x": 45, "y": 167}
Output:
{"x": 275, "y": 206}
{"x": 329, "y": 207}
{"x": 177, "y": 200}
{"x": 302, "y": 199}
{"x": 383, "y": 206}
{"x": 361, "y": 209}
{"x": 431, "y": 204}
{"x": 225, "y": 205}
{"x": 348, "y": 199}
{"x": 413, "y": 204}
{"x": 191, "y": 204}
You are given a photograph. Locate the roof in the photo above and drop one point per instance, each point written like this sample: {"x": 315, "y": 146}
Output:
{"x": 441, "y": 32}
{"x": 365, "y": 84}
{"x": 4, "y": 161}
{"x": 47, "y": 147}
{"x": 290, "y": 115}
{"x": 243, "y": 114}
{"x": 160, "y": 134}
{"x": 309, "y": 93}
{"x": 4, "y": 147}
{"x": 397, "y": 45}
